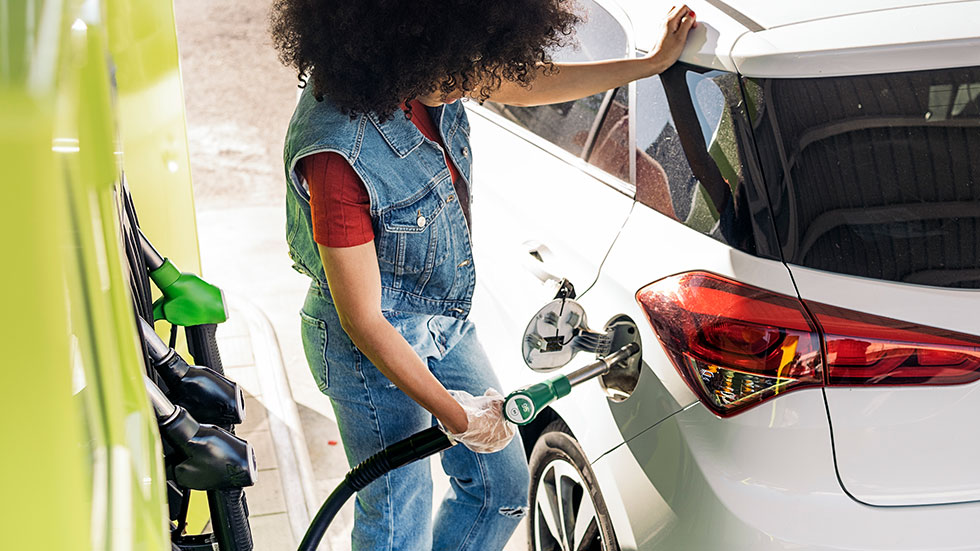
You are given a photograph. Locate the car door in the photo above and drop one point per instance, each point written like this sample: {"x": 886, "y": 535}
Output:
{"x": 540, "y": 210}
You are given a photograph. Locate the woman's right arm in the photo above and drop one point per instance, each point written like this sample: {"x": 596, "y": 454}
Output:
{"x": 355, "y": 285}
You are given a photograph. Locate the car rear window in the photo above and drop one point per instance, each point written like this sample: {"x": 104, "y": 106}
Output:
{"x": 875, "y": 176}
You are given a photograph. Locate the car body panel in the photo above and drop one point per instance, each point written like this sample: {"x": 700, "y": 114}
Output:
{"x": 870, "y": 42}
{"x": 569, "y": 241}
{"x": 732, "y": 476}
{"x": 769, "y": 15}
{"x": 903, "y": 446}
{"x": 636, "y": 259}
{"x": 793, "y": 39}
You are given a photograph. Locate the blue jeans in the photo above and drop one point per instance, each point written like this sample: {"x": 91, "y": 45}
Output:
{"x": 488, "y": 492}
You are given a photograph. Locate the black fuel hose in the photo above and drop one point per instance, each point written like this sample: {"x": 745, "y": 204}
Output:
{"x": 418, "y": 446}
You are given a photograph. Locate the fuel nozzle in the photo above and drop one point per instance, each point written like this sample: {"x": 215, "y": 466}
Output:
{"x": 210, "y": 457}
{"x": 187, "y": 299}
{"x": 523, "y": 405}
{"x": 205, "y": 393}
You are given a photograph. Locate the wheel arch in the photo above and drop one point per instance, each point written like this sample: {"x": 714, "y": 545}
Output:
{"x": 533, "y": 430}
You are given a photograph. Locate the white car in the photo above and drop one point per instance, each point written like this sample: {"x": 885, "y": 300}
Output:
{"x": 791, "y": 218}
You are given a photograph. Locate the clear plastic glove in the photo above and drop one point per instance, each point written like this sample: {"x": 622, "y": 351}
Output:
{"x": 488, "y": 430}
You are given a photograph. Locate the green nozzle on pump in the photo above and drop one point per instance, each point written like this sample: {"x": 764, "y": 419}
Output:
{"x": 187, "y": 299}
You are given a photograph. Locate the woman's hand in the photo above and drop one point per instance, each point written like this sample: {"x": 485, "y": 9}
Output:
{"x": 487, "y": 430}
{"x": 673, "y": 36}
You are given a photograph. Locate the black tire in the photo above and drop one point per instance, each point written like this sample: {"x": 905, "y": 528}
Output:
{"x": 560, "y": 474}
{"x": 229, "y": 511}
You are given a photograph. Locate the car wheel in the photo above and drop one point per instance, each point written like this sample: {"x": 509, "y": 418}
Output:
{"x": 567, "y": 509}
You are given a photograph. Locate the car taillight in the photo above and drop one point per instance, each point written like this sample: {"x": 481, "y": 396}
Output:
{"x": 737, "y": 345}
{"x": 734, "y": 344}
{"x": 863, "y": 349}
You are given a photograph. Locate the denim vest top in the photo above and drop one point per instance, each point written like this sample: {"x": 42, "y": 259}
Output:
{"x": 420, "y": 231}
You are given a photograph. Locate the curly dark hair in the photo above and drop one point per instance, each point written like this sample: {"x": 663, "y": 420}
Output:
{"x": 368, "y": 56}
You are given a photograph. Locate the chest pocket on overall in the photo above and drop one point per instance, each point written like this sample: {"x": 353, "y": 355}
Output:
{"x": 415, "y": 239}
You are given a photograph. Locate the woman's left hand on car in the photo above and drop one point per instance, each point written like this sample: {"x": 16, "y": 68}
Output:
{"x": 673, "y": 36}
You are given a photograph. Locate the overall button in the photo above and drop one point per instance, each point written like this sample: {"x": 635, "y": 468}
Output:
{"x": 421, "y": 221}
{"x": 465, "y": 151}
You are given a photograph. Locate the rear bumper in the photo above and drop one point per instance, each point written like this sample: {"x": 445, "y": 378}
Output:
{"x": 762, "y": 480}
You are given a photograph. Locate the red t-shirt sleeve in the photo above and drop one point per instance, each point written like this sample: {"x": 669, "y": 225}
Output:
{"x": 339, "y": 203}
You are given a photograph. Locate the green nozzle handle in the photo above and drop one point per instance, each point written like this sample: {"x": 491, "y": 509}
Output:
{"x": 187, "y": 299}
{"x": 522, "y": 406}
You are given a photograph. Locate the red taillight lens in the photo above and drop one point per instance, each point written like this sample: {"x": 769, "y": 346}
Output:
{"x": 863, "y": 349}
{"x": 735, "y": 345}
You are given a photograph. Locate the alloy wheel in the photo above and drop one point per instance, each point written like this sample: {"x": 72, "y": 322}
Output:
{"x": 565, "y": 516}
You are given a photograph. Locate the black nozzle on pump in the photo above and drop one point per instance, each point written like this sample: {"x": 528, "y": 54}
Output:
{"x": 211, "y": 458}
{"x": 205, "y": 393}
{"x": 215, "y": 458}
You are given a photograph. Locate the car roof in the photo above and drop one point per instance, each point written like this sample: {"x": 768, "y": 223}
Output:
{"x": 766, "y": 14}
{"x": 825, "y": 38}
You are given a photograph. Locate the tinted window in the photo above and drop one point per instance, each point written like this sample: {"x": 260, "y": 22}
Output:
{"x": 568, "y": 124}
{"x": 662, "y": 170}
{"x": 876, "y": 176}
{"x": 611, "y": 143}
{"x": 693, "y": 156}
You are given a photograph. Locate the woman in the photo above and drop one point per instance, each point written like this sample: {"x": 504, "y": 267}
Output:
{"x": 377, "y": 158}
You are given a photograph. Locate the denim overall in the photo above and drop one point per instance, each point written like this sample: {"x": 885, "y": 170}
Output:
{"x": 427, "y": 281}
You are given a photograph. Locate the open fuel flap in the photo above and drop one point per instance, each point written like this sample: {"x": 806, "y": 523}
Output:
{"x": 560, "y": 330}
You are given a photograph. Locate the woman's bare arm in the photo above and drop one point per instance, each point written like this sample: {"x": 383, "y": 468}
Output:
{"x": 578, "y": 80}
{"x": 355, "y": 285}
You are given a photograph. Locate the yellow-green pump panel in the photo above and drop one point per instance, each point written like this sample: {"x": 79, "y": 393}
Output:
{"x": 82, "y": 452}
{"x": 153, "y": 131}
{"x": 152, "y": 125}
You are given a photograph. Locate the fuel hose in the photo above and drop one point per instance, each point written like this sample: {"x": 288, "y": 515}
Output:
{"x": 418, "y": 446}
